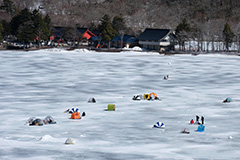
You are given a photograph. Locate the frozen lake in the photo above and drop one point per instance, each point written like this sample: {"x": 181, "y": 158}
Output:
{"x": 42, "y": 83}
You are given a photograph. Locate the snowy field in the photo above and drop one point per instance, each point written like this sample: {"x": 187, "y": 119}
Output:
{"x": 47, "y": 82}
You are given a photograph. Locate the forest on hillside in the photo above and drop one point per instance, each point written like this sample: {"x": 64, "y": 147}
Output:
{"x": 203, "y": 19}
{"x": 138, "y": 14}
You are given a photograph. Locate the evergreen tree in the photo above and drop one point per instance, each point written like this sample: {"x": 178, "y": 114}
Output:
{"x": 47, "y": 20}
{"x": 108, "y": 33}
{"x": 27, "y": 26}
{"x": 18, "y": 20}
{"x": 120, "y": 27}
{"x": 228, "y": 35}
{"x": 25, "y": 33}
{"x": 104, "y": 22}
{"x": 40, "y": 27}
{"x": 1, "y": 31}
{"x": 6, "y": 28}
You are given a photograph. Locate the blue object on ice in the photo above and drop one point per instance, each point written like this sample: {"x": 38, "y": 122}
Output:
{"x": 229, "y": 99}
{"x": 159, "y": 125}
{"x": 201, "y": 128}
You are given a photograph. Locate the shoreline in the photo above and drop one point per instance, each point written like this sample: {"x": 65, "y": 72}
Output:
{"x": 171, "y": 53}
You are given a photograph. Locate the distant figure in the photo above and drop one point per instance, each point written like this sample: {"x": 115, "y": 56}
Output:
{"x": 92, "y": 100}
{"x": 202, "y": 119}
{"x": 71, "y": 110}
{"x": 191, "y": 122}
{"x": 227, "y": 100}
{"x": 197, "y": 119}
{"x": 185, "y": 131}
{"x": 137, "y": 97}
{"x": 83, "y": 114}
{"x": 165, "y": 77}
{"x": 49, "y": 120}
{"x": 35, "y": 121}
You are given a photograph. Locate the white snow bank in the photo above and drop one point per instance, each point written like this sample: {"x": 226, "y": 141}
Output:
{"x": 84, "y": 50}
{"x": 47, "y": 138}
{"x": 136, "y": 48}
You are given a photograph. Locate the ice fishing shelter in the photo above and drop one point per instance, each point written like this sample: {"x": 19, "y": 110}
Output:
{"x": 91, "y": 100}
{"x": 201, "y": 128}
{"x": 227, "y": 100}
{"x": 146, "y": 96}
{"x": 159, "y": 125}
{"x": 75, "y": 114}
{"x": 111, "y": 107}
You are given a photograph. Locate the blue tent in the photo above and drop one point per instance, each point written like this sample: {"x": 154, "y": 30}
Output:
{"x": 229, "y": 99}
{"x": 201, "y": 128}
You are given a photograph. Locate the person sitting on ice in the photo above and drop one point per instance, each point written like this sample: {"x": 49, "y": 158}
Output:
{"x": 70, "y": 111}
{"x": 33, "y": 121}
{"x": 191, "y": 122}
{"x": 137, "y": 97}
{"x": 165, "y": 77}
{"x": 227, "y": 100}
{"x": 92, "y": 100}
{"x": 49, "y": 120}
{"x": 185, "y": 131}
{"x": 83, "y": 114}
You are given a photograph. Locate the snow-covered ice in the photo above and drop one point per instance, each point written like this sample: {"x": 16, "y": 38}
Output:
{"x": 47, "y": 82}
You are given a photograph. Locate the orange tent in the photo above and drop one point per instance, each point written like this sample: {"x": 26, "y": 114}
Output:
{"x": 75, "y": 115}
{"x": 153, "y": 95}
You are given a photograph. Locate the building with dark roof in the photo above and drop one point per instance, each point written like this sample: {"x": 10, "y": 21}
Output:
{"x": 127, "y": 41}
{"x": 157, "y": 39}
{"x": 59, "y": 33}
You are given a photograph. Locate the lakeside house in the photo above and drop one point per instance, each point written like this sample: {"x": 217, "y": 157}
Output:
{"x": 84, "y": 34}
{"x": 157, "y": 39}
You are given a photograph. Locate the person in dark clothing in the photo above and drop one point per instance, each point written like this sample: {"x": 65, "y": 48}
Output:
{"x": 197, "y": 120}
{"x": 92, "y": 100}
{"x": 83, "y": 114}
{"x": 191, "y": 122}
{"x": 202, "y": 119}
{"x": 35, "y": 121}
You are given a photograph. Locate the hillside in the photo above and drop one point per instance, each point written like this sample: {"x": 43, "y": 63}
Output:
{"x": 138, "y": 14}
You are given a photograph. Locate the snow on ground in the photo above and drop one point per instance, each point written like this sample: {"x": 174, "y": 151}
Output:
{"x": 47, "y": 82}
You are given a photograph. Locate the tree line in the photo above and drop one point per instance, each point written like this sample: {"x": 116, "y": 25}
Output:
{"x": 207, "y": 33}
{"x": 27, "y": 26}
{"x": 30, "y": 26}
